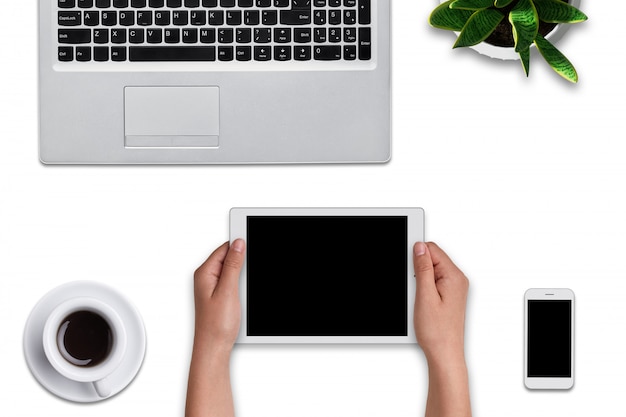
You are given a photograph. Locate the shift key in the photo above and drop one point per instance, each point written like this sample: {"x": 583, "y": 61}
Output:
{"x": 74, "y": 36}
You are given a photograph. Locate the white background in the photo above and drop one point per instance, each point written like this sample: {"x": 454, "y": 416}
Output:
{"x": 522, "y": 181}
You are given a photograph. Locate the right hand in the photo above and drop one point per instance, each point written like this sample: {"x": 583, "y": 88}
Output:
{"x": 440, "y": 299}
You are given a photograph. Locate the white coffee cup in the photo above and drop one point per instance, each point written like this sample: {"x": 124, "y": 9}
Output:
{"x": 56, "y": 352}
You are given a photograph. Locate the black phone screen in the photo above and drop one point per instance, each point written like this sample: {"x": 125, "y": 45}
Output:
{"x": 326, "y": 276}
{"x": 549, "y": 338}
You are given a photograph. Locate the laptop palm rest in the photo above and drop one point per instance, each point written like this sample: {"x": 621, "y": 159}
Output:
{"x": 171, "y": 117}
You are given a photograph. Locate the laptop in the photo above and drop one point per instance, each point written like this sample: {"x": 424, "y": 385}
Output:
{"x": 327, "y": 275}
{"x": 214, "y": 81}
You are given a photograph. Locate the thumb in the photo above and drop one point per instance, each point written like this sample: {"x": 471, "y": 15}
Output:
{"x": 424, "y": 270}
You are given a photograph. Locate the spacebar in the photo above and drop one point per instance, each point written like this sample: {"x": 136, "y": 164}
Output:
{"x": 171, "y": 53}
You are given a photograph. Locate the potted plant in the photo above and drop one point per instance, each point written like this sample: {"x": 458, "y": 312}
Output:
{"x": 513, "y": 24}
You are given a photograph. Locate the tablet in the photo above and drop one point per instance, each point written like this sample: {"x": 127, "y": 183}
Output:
{"x": 327, "y": 275}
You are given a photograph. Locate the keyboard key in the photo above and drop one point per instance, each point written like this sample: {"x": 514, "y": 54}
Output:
{"x": 263, "y": 35}
{"x": 302, "y": 53}
{"x": 334, "y": 3}
{"x": 243, "y": 35}
{"x": 225, "y": 53}
{"x": 83, "y": 53}
{"x": 66, "y": 53}
{"x": 225, "y": 36}
{"x": 263, "y": 3}
{"x": 154, "y": 35}
{"x": 365, "y": 12}
{"x": 101, "y": 36}
{"x": 109, "y": 18}
{"x": 138, "y": 3}
{"x": 207, "y": 36}
{"x": 100, "y": 53}
{"x": 67, "y": 4}
{"x": 349, "y": 3}
{"x": 269, "y": 17}
{"x": 245, "y": 3}
{"x": 103, "y": 4}
{"x": 192, "y": 3}
{"x": 209, "y": 3}
{"x": 190, "y": 35}
{"x": 74, "y": 36}
{"x": 92, "y": 18}
{"x": 127, "y": 18}
{"x": 320, "y": 35}
{"x": 349, "y": 35}
{"x": 120, "y": 3}
{"x": 118, "y": 35}
{"x": 262, "y": 53}
{"x": 233, "y": 17}
{"x": 295, "y": 17}
{"x": 282, "y": 53}
{"x": 85, "y": 4}
{"x": 349, "y": 52}
{"x": 244, "y": 53}
{"x": 180, "y": 17}
{"x": 252, "y": 17}
{"x": 69, "y": 18}
{"x": 301, "y": 4}
{"x": 118, "y": 53}
{"x": 156, "y": 4}
{"x": 334, "y": 35}
{"x": 136, "y": 35}
{"x": 172, "y": 35}
{"x": 171, "y": 53}
{"x": 198, "y": 17}
{"x": 227, "y": 3}
{"x": 173, "y": 4}
{"x": 319, "y": 17}
{"x": 162, "y": 18}
{"x": 281, "y": 3}
{"x": 328, "y": 53}
{"x": 302, "y": 35}
{"x": 320, "y": 3}
{"x": 282, "y": 35}
{"x": 365, "y": 44}
{"x": 334, "y": 17}
{"x": 144, "y": 18}
{"x": 349, "y": 17}
{"x": 216, "y": 18}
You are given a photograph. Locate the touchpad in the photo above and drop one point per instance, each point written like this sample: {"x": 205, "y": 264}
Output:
{"x": 172, "y": 117}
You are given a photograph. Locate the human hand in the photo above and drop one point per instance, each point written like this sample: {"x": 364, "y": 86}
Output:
{"x": 216, "y": 293}
{"x": 440, "y": 299}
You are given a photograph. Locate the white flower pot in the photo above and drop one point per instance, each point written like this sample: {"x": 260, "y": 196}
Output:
{"x": 508, "y": 53}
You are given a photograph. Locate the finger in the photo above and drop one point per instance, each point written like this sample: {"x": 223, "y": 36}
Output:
{"x": 442, "y": 263}
{"x": 424, "y": 270}
{"x": 231, "y": 267}
{"x": 208, "y": 274}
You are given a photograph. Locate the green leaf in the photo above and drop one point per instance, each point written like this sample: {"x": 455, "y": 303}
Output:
{"x": 525, "y": 58}
{"x": 479, "y": 27}
{"x": 449, "y": 19}
{"x": 556, "y": 59}
{"x": 557, "y": 11}
{"x": 502, "y": 3}
{"x": 525, "y": 23}
{"x": 471, "y": 4}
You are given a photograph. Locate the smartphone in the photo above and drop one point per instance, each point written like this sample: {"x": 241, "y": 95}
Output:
{"x": 549, "y": 338}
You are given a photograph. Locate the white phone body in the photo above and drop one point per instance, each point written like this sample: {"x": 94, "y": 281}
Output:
{"x": 549, "y": 356}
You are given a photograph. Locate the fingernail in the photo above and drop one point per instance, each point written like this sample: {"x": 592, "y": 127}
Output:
{"x": 420, "y": 248}
{"x": 238, "y": 245}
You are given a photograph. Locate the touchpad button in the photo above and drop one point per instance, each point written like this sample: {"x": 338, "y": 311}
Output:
{"x": 172, "y": 117}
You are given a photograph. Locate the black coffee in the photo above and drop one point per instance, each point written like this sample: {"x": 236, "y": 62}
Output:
{"x": 85, "y": 338}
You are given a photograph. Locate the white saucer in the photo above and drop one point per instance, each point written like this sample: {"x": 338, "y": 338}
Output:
{"x": 56, "y": 383}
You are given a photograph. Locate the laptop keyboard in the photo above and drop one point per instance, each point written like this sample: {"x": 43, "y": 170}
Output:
{"x": 214, "y": 30}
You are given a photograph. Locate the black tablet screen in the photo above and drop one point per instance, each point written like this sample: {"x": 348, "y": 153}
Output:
{"x": 327, "y": 276}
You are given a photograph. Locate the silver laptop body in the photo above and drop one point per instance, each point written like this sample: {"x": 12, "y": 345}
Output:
{"x": 214, "y": 81}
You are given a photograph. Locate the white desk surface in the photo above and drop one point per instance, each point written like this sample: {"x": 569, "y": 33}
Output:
{"x": 522, "y": 181}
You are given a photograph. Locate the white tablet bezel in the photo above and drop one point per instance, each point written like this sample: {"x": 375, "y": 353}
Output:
{"x": 415, "y": 233}
{"x": 548, "y": 294}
